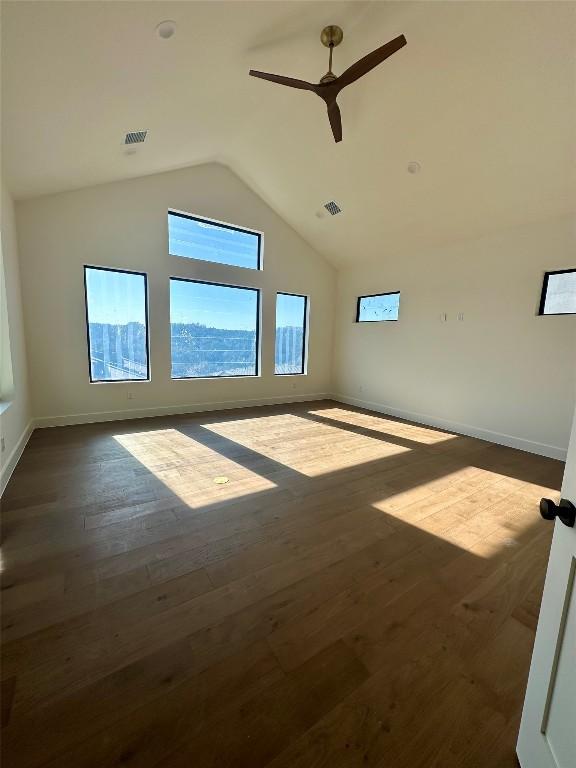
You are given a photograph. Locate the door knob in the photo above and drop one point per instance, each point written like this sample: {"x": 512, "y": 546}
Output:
{"x": 565, "y": 511}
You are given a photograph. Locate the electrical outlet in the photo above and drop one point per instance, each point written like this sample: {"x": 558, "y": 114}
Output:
{"x": 130, "y": 395}
{"x": 2, "y": 445}
{"x": 460, "y": 315}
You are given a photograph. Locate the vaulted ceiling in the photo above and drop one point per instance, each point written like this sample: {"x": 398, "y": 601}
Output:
{"x": 483, "y": 97}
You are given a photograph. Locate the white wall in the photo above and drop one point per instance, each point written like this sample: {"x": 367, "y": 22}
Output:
{"x": 14, "y": 400}
{"x": 503, "y": 373}
{"x": 124, "y": 224}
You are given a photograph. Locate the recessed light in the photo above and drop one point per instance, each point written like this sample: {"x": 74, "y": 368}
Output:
{"x": 414, "y": 167}
{"x": 166, "y": 29}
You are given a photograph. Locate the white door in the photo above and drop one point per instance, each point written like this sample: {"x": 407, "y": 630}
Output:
{"x": 548, "y": 730}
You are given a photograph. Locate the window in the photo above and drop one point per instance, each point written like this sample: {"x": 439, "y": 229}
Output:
{"x": 214, "y": 329}
{"x": 291, "y": 311}
{"x": 380, "y": 306}
{"x": 117, "y": 324}
{"x": 6, "y": 377}
{"x": 195, "y": 238}
{"x": 559, "y": 293}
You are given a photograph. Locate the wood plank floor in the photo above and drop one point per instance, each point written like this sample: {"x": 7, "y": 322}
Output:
{"x": 361, "y": 592}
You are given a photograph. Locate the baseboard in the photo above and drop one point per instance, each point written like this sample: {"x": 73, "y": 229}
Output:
{"x": 542, "y": 449}
{"x": 14, "y": 457}
{"x": 171, "y": 410}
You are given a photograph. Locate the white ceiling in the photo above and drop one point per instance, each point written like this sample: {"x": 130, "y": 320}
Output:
{"x": 483, "y": 97}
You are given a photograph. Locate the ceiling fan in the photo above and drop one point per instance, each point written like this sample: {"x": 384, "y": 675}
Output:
{"x": 330, "y": 86}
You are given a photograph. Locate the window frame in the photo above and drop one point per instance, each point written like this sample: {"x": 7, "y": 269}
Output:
{"x": 258, "y": 324}
{"x": 146, "y": 315}
{"x": 542, "y": 305}
{"x": 222, "y": 225}
{"x": 371, "y": 296}
{"x": 304, "y": 370}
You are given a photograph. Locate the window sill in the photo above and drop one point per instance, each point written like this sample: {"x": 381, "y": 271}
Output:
{"x": 122, "y": 381}
{"x": 215, "y": 378}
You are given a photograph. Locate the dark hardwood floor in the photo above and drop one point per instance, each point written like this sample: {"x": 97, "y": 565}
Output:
{"x": 361, "y": 592}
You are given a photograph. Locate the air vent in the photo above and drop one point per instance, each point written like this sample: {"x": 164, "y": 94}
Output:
{"x": 332, "y": 208}
{"x": 135, "y": 137}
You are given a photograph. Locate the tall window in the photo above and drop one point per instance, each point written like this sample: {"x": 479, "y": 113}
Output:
{"x": 379, "y": 307}
{"x": 117, "y": 324}
{"x": 291, "y": 317}
{"x": 6, "y": 377}
{"x": 214, "y": 329}
{"x": 559, "y": 293}
{"x": 196, "y": 238}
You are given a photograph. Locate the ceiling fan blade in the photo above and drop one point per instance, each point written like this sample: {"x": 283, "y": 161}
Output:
{"x": 281, "y": 80}
{"x": 368, "y": 62}
{"x": 335, "y": 120}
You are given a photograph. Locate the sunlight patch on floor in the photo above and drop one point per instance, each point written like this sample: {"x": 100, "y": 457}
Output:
{"x": 392, "y": 427}
{"x": 317, "y": 467}
{"x": 311, "y": 452}
{"x": 267, "y": 430}
{"x": 469, "y": 508}
{"x": 188, "y": 468}
{"x": 419, "y": 500}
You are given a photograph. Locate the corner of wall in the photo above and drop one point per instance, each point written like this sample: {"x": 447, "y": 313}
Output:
{"x": 15, "y": 416}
